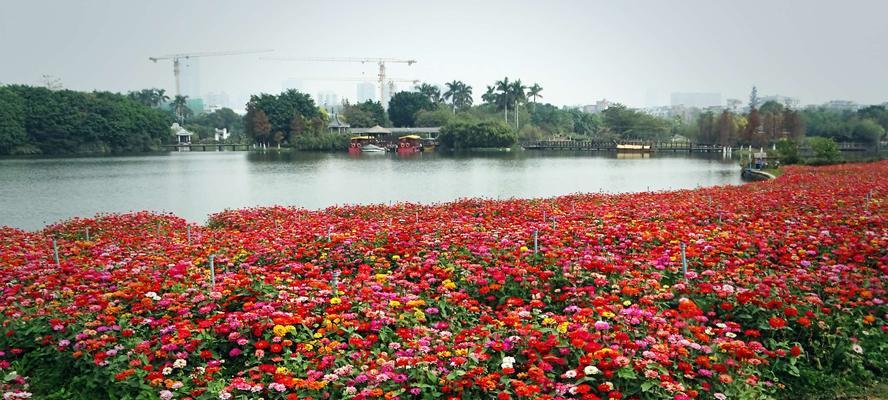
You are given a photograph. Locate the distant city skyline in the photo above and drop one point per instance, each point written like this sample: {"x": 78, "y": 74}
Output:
{"x": 580, "y": 52}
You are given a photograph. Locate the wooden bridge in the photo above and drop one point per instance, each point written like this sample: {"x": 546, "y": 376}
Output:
{"x": 588, "y": 145}
{"x": 207, "y": 147}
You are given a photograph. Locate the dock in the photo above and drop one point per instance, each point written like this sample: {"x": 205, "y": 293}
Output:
{"x": 588, "y": 145}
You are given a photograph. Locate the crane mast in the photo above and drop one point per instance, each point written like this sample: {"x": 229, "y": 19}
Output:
{"x": 381, "y": 62}
{"x": 176, "y": 58}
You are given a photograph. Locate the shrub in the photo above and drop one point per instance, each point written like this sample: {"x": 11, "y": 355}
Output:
{"x": 468, "y": 135}
{"x": 826, "y": 151}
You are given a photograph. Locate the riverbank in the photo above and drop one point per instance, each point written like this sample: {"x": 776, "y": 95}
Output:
{"x": 782, "y": 297}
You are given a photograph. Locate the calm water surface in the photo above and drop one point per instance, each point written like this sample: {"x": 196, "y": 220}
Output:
{"x": 37, "y": 191}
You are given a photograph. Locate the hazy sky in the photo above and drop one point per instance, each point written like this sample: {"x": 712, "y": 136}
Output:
{"x": 636, "y": 52}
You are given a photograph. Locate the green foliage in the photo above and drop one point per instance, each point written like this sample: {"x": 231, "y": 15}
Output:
{"x": 12, "y": 121}
{"x": 459, "y": 94}
{"x": 826, "y": 151}
{"x": 827, "y": 123}
{"x": 179, "y": 108}
{"x": 431, "y": 92}
{"x": 257, "y": 126}
{"x": 551, "y": 119}
{"x": 707, "y": 127}
{"x": 629, "y": 123}
{"x": 468, "y": 135}
{"x": 365, "y": 115}
{"x": 279, "y": 111}
{"x": 439, "y": 117}
{"x": 321, "y": 142}
{"x": 868, "y": 131}
{"x": 875, "y": 113}
{"x": 788, "y": 151}
{"x": 727, "y": 128}
{"x": 404, "y": 106}
{"x": 65, "y": 121}
{"x": 585, "y": 123}
{"x": 149, "y": 97}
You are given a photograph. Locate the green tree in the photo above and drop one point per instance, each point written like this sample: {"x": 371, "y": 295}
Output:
{"x": 179, "y": 108}
{"x": 12, "y": 121}
{"x": 258, "y": 126}
{"x": 459, "y": 94}
{"x": 875, "y": 113}
{"x": 772, "y": 120}
{"x": 753, "y": 134}
{"x": 753, "y": 98}
{"x": 631, "y": 124}
{"x": 868, "y": 131}
{"x": 788, "y": 151}
{"x": 551, "y": 119}
{"x": 365, "y": 115}
{"x": 431, "y": 92}
{"x": 404, "y": 106}
{"x": 533, "y": 92}
{"x": 707, "y": 129}
{"x": 727, "y": 128}
{"x": 792, "y": 124}
{"x": 827, "y": 123}
{"x": 586, "y": 124}
{"x": 435, "y": 118}
{"x": 281, "y": 109}
{"x": 298, "y": 127}
{"x": 150, "y": 97}
{"x": 65, "y": 121}
{"x": 467, "y": 135}
{"x": 826, "y": 151}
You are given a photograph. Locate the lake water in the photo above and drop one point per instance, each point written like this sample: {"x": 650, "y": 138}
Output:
{"x": 38, "y": 191}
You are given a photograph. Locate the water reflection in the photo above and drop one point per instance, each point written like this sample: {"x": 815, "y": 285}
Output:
{"x": 36, "y": 191}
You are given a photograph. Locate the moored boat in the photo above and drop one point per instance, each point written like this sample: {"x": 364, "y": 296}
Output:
{"x": 633, "y": 148}
{"x": 409, "y": 144}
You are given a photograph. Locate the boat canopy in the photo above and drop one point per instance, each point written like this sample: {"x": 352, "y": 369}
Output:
{"x": 362, "y": 138}
{"x": 415, "y": 137}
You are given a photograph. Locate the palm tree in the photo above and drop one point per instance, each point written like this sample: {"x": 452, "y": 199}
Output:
{"x": 459, "y": 94}
{"x": 179, "y": 106}
{"x": 431, "y": 92}
{"x": 489, "y": 96}
{"x": 504, "y": 97}
{"x": 534, "y": 92}
{"x": 517, "y": 96}
{"x": 159, "y": 97}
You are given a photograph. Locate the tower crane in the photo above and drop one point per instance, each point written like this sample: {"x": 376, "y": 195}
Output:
{"x": 363, "y": 60}
{"x": 177, "y": 57}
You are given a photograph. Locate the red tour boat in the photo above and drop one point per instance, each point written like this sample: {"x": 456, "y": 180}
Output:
{"x": 409, "y": 144}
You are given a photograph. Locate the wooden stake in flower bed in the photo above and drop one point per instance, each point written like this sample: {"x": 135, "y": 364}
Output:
{"x": 55, "y": 251}
{"x": 536, "y": 243}
{"x": 87, "y": 233}
{"x": 335, "y": 283}
{"x": 188, "y": 233}
{"x": 684, "y": 263}
{"x": 213, "y": 270}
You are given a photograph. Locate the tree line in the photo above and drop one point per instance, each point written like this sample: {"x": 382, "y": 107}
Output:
{"x": 36, "y": 120}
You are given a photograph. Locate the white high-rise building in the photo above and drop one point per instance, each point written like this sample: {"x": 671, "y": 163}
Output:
{"x": 366, "y": 91}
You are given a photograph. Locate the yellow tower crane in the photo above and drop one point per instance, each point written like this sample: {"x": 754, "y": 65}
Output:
{"x": 363, "y": 60}
{"x": 177, "y": 57}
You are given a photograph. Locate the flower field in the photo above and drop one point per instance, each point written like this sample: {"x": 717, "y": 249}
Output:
{"x": 574, "y": 297}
